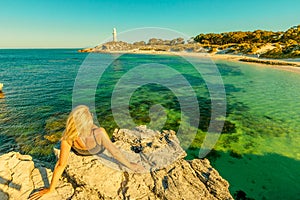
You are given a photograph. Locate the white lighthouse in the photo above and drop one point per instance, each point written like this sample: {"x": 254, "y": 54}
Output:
{"x": 114, "y": 34}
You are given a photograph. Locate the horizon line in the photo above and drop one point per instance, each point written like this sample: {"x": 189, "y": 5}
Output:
{"x": 3, "y": 48}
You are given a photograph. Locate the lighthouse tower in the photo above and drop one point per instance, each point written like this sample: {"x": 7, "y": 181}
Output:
{"x": 114, "y": 34}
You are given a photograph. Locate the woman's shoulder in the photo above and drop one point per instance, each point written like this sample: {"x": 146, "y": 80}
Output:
{"x": 98, "y": 133}
{"x": 69, "y": 142}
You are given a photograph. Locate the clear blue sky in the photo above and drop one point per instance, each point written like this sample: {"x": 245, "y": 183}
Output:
{"x": 72, "y": 23}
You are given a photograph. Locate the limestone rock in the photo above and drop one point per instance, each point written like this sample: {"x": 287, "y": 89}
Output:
{"x": 19, "y": 176}
{"x": 167, "y": 175}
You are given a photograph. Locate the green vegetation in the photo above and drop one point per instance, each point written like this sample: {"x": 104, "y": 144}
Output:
{"x": 280, "y": 44}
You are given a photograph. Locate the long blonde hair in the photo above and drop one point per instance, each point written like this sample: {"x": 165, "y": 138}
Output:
{"x": 79, "y": 123}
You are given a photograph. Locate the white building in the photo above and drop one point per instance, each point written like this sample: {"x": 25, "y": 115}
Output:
{"x": 114, "y": 34}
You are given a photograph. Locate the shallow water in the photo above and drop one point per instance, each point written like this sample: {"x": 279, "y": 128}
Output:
{"x": 258, "y": 151}
{"x": 265, "y": 159}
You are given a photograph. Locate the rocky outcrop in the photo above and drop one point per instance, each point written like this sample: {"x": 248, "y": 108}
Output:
{"x": 270, "y": 62}
{"x": 110, "y": 47}
{"x": 167, "y": 175}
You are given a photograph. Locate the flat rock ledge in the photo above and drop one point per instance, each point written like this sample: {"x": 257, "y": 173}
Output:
{"x": 167, "y": 174}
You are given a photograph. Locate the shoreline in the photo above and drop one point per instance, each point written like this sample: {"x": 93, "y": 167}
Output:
{"x": 291, "y": 66}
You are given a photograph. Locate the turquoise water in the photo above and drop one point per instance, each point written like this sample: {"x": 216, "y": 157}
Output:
{"x": 258, "y": 151}
{"x": 267, "y": 134}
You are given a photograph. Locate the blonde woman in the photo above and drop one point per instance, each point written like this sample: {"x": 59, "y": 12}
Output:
{"x": 84, "y": 138}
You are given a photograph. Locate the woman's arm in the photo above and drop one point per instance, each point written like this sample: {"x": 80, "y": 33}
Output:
{"x": 61, "y": 163}
{"x": 58, "y": 170}
{"x": 115, "y": 152}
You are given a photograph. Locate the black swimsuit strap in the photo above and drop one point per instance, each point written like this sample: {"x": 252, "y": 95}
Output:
{"x": 95, "y": 137}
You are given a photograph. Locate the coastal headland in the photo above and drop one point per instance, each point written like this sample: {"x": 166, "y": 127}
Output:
{"x": 277, "y": 49}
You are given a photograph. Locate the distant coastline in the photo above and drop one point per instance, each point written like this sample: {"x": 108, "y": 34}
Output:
{"x": 293, "y": 66}
{"x": 257, "y": 47}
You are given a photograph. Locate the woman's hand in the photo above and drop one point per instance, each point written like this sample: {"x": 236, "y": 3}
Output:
{"x": 137, "y": 167}
{"x": 38, "y": 194}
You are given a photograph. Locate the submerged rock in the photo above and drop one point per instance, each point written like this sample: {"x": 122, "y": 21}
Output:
{"x": 167, "y": 174}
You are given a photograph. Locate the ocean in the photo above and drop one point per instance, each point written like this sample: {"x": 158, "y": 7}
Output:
{"x": 258, "y": 150}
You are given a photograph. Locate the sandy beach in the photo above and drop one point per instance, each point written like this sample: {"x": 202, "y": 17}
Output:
{"x": 292, "y": 66}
